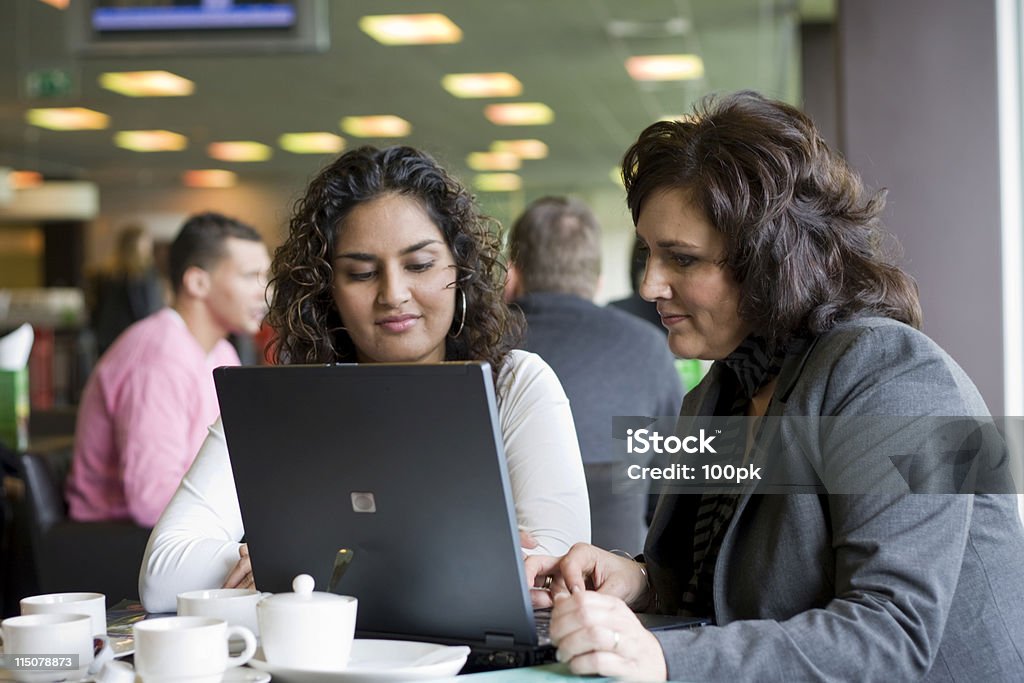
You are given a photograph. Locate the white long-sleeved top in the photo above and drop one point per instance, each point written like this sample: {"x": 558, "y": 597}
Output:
{"x": 195, "y": 543}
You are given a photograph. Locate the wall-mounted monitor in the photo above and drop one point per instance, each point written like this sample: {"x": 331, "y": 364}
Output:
{"x": 163, "y": 27}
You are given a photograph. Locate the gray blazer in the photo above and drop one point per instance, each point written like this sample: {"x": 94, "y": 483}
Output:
{"x": 853, "y": 587}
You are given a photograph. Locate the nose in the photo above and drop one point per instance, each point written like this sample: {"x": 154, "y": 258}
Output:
{"x": 654, "y": 286}
{"x": 393, "y": 289}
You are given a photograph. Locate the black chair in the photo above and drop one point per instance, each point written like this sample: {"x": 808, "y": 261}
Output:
{"x": 102, "y": 557}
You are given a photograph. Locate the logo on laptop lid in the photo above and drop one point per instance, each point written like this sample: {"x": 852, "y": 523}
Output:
{"x": 363, "y": 501}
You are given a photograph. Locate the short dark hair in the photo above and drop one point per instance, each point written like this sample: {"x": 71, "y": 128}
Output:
{"x": 803, "y": 239}
{"x": 200, "y": 243}
{"x": 302, "y": 310}
{"x": 556, "y": 246}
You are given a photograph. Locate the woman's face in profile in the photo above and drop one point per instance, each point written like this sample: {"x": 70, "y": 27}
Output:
{"x": 697, "y": 298}
{"x": 392, "y": 282}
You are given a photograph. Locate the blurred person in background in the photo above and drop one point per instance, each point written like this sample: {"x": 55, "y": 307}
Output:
{"x": 128, "y": 290}
{"x": 609, "y": 362}
{"x": 147, "y": 405}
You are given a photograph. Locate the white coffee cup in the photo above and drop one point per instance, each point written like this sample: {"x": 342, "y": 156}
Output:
{"x": 92, "y": 604}
{"x": 196, "y": 648}
{"x": 54, "y": 634}
{"x": 307, "y": 630}
{"x": 237, "y": 606}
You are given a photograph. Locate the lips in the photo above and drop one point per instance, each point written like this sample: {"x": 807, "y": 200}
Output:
{"x": 397, "y": 323}
{"x": 670, "y": 319}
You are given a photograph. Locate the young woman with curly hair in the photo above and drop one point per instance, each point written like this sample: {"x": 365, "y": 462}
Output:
{"x": 387, "y": 260}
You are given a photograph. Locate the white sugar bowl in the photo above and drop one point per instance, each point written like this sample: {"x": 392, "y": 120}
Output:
{"x": 307, "y": 629}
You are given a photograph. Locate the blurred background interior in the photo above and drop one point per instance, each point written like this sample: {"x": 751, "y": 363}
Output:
{"x": 119, "y": 113}
{"x": 911, "y": 92}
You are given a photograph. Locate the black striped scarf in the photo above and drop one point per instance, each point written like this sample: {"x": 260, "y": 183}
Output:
{"x": 742, "y": 373}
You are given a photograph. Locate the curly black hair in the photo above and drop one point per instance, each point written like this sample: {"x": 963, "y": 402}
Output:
{"x": 302, "y": 309}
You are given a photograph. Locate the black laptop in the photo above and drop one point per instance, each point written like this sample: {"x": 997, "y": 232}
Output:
{"x": 403, "y": 467}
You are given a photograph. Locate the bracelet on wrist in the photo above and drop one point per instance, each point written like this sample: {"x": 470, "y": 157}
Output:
{"x": 651, "y": 603}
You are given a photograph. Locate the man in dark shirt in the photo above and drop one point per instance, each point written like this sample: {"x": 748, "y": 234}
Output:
{"x": 610, "y": 363}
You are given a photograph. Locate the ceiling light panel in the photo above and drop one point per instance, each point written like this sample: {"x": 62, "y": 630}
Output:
{"x": 497, "y": 182}
{"x": 69, "y": 118}
{"x": 482, "y": 85}
{"x": 493, "y": 161}
{"x": 147, "y": 83}
{"x": 209, "y": 178}
{"x": 616, "y": 176}
{"x": 383, "y": 126}
{"x": 311, "y": 143}
{"x": 519, "y": 114}
{"x": 665, "y": 67}
{"x": 411, "y": 29}
{"x": 239, "y": 150}
{"x": 524, "y": 149}
{"x": 21, "y": 180}
{"x": 150, "y": 140}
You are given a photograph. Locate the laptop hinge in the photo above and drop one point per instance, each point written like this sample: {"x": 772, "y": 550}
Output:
{"x": 499, "y": 639}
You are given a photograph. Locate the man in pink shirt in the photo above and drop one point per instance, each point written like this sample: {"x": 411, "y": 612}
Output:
{"x": 147, "y": 405}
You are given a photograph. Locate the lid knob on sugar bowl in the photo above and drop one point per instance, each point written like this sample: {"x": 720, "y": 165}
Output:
{"x": 307, "y": 629}
{"x": 303, "y": 585}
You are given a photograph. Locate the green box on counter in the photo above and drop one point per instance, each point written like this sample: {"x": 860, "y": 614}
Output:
{"x": 14, "y": 407}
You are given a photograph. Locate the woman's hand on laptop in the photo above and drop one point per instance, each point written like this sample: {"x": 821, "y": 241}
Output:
{"x": 585, "y": 567}
{"x": 241, "y": 574}
{"x": 599, "y": 634}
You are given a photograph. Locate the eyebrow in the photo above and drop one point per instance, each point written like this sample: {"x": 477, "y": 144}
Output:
{"x": 361, "y": 256}
{"x": 668, "y": 244}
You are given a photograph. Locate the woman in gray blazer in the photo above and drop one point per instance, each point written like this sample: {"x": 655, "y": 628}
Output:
{"x": 765, "y": 256}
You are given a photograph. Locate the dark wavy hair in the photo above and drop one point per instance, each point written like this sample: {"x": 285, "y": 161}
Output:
{"x": 302, "y": 310}
{"x": 803, "y": 238}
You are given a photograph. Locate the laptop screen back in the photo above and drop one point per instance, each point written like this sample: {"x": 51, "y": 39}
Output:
{"x": 400, "y": 464}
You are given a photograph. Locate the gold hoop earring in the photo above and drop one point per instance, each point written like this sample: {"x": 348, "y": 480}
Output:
{"x": 462, "y": 322}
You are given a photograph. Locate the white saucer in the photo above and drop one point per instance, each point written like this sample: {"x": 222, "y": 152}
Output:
{"x": 238, "y": 674}
{"x": 373, "y": 661}
{"x": 243, "y": 674}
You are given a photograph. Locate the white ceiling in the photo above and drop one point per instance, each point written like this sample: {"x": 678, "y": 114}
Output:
{"x": 561, "y": 50}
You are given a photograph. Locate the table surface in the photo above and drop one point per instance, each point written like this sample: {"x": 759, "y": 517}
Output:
{"x": 122, "y": 616}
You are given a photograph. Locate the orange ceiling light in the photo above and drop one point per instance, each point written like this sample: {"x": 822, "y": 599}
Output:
{"x": 239, "y": 150}
{"x": 383, "y": 126}
{"x": 150, "y": 140}
{"x": 410, "y": 29}
{"x": 493, "y": 161}
{"x": 497, "y": 182}
{"x": 67, "y": 118}
{"x": 524, "y": 149}
{"x": 147, "y": 83}
{"x": 59, "y": 4}
{"x": 497, "y": 84}
{"x": 665, "y": 67}
{"x": 21, "y": 180}
{"x": 209, "y": 178}
{"x": 519, "y": 114}
{"x": 311, "y": 143}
